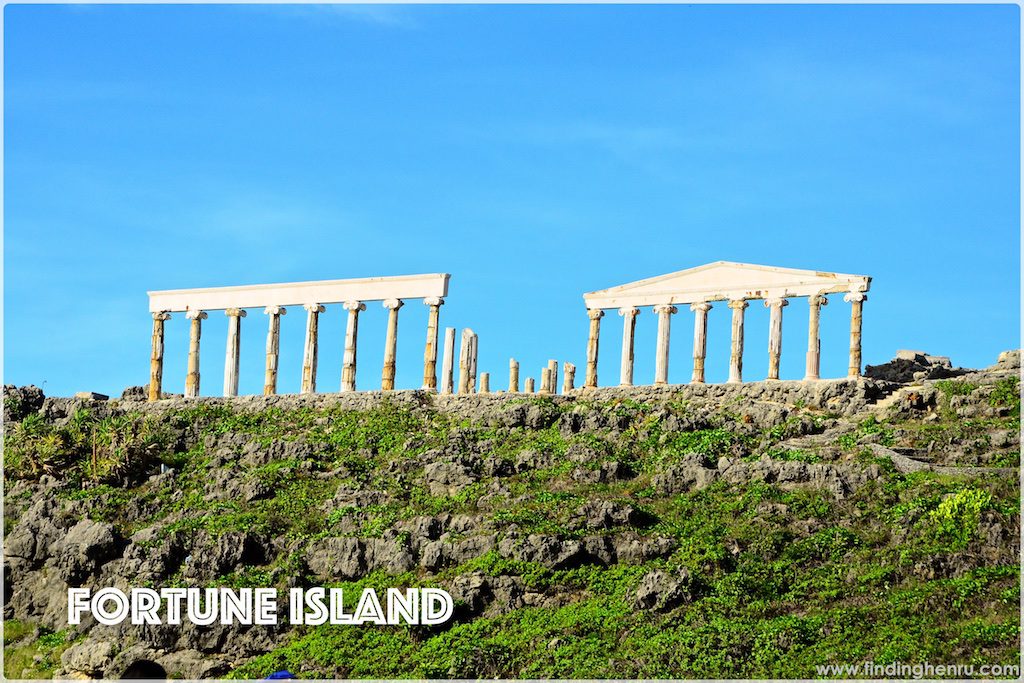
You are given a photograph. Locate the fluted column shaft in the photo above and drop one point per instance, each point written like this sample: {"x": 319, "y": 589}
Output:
{"x": 474, "y": 347}
{"x": 349, "y": 360}
{"x": 568, "y": 377}
{"x": 738, "y": 306}
{"x": 156, "y": 356}
{"x": 700, "y": 339}
{"x": 628, "y": 328}
{"x": 465, "y": 351}
{"x": 273, "y": 348}
{"x": 234, "y": 348}
{"x": 553, "y": 376}
{"x": 775, "y": 305}
{"x": 195, "y": 332}
{"x": 593, "y": 339}
{"x": 513, "y": 376}
{"x": 856, "y": 300}
{"x": 387, "y": 375}
{"x": 813, "y": 338}
{"x": 664, "y": 312}
{"x": 430, "y": 350}
{"x": 309, "y": 356}
{"x": 448, "y": 361}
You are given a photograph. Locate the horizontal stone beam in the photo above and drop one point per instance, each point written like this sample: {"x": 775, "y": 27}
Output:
{"x": 301, "y": 293}
{"x": 794, "y": 289}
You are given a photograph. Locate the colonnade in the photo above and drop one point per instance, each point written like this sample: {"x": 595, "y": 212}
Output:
{"x": 738, "y": 307}
{"x": 310, "y": 348}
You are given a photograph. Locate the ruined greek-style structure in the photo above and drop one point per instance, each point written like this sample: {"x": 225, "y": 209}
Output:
{"x": 736, "y": 284}
{"x": 314, "y": 298}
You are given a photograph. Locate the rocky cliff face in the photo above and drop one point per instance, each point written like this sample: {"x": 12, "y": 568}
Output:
{"x": 698, "y": 531}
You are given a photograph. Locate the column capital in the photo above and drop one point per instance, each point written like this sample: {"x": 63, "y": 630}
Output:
{"x": 275, "y": 310}
{"x": 818, "y": 300}
{"x": 738, "y": 304}
{"x": 314, "y": 308}
{"x": 354, "y": 306}
{"x": 703, "y": 306}
{"x": 779, "y": 301}
{"x": 855, "y": 296}
{"x": 196, "y": 315}
{"x": 161, "y": 315}
{"x": 392, "y": 304}
{"x": 433, "y": 301}
{"x": 629, "y": 310}
{"x": 666, "y": 308}
{"x": 595, "y": 313}
{"x": 234, "y": 312}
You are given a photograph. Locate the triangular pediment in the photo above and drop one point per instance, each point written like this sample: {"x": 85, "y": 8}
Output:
{"x": 725, "y": 280}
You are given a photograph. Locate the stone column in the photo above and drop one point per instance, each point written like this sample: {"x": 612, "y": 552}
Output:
{"x": 776, "y": 304}
{"x": 273, "y": 348}
{"x": 529, "y": 385}
{"x": 387, "y": 375}
{"x": 195, "y": 332}
{"x": 736, "y": 358}
{"x": 348, "y": 363}
{"x": 815, "y": 301}
{"x": 700, "y": 339}
{"x": 234, "y": 348}
{"x": 448, "y": 361}
{"x": 513, "y": 376}
{"x": 628, "y": 314}
{"x": 856, "y": 300}
{"x": 309, "y": 356}
{"x": 156, "y": 356}
{"x": 545, "y": 381}
{"x": 485, "y": 382}
{"x": 595, "y": 315}
{"x": 569, "y": 376}
{"x": 473, "y": 348}
{"x": 553, "y": 383}
{"x": 664, "y": 312}
{"x": 430, "y": 351}
{"x": 465, "y": 349}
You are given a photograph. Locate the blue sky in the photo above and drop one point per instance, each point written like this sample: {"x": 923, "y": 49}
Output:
{"x": 533, "y": 152}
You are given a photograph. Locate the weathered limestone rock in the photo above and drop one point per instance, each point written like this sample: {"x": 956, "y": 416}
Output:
{"x": 273, "y": 348}
{"x": 156, "y": 358}
{"x": 195, "y": 332}
{"x": 234, "y": 347}
{"x": 348, "y": 364}
{"x": 309, "y": 356}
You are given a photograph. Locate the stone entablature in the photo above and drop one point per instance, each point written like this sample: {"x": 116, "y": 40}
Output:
{"x": 735, "y": 283}
{"x": 312, "y": 296}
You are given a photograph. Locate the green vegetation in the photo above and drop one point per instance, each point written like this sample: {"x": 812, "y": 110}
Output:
{"x": 774, "y": 577}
